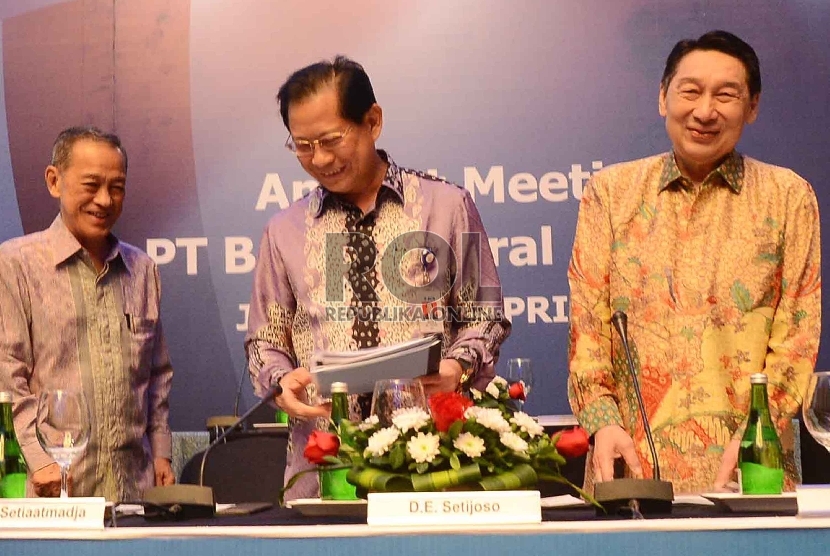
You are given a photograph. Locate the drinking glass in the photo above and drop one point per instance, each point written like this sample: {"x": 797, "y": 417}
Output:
{"x": 816, "y": 408}
{"x": 63, "y": 428}
{"x": 520, "y": 369}
{"x": 393, "y": 394}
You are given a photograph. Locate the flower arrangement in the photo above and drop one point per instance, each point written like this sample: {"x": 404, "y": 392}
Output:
{"x": 483, "y": 443}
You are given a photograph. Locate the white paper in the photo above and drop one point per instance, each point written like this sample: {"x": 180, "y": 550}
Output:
{"x": 563, "y": 501}
{"x": 360, "y": 372}
{"x": 813, "y": 500}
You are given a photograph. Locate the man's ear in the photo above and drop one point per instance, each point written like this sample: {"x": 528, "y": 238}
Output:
{"x": 52, "y": 176}
{"x": 753, "y": 108}
{"x": 374, "y": 118}
{"x": 661, "y": 102}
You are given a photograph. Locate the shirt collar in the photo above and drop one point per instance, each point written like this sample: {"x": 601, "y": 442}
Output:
{"x": 320, "y": 197}
{"x": 731, "y": 171}
{"x": 66, "y": 245}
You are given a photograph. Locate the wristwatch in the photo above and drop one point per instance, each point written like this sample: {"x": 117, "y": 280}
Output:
{"x": 468, "y": 370}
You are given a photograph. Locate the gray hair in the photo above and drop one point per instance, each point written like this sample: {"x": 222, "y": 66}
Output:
{"x": 62, "y": 149}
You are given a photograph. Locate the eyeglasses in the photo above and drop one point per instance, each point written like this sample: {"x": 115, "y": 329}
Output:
{"x": 304, "y": 148}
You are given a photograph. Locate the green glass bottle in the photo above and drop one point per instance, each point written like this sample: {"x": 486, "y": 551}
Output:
{"x": 12, "y": 464}
{"x": 760, "y": 458}
{"x": 281, "y": 417}
{"x": 333, "y": 484}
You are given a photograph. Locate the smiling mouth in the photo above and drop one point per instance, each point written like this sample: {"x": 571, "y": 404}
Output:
{"x": 332, "y": 174}
{"x": 99, "y": 215}
{"x": 703, "y": 134}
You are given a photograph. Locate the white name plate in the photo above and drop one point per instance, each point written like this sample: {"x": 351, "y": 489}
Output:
{"x": 52, "y": 513}
{"x": 454, "y": 508}
{"x": 813, "y": 500}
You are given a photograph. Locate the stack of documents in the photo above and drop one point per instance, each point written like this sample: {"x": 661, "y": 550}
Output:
{"x": 361, "y": 369}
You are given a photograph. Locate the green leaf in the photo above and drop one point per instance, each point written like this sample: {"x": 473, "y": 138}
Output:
{"x": 455, "y": 429}
{"x": 372, "y": 479}
{"x": 397, "y": 456}
{"x": 381, "y": 461}
{"x": 439, "y": 480}
{"x": 741, "y": 297}
{"x": 422, "y": 467}
{"x": 454, "y": 463}
{"x": 521, "y": 476}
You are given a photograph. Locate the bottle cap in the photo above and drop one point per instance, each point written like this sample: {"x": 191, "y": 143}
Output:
{"x": 758, "y": 378}
{"x": 5, "y": 397}
{"x": 339, "y": 388}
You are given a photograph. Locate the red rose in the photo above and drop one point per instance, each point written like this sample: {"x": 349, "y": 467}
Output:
{"x": 517, "y": 391}
{"x": 573, "y": 443}
{"x": 321, "y": 444}
{"x": 447, "y": 408}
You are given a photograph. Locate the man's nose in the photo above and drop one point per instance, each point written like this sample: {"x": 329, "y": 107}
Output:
{"x": 102, "y": 197}
{"x": 321, "y": 157}
{"x": 705, "y": 109}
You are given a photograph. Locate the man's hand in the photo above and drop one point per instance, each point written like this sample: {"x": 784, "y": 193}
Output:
{"x": 727, "y": 467}
{"x": 46, "y": 481}
{"x": 164, "y": 472}
{"x": 293, "y": 395}
{"x": 445, "y": 380}
{"x": 610, "y": 443}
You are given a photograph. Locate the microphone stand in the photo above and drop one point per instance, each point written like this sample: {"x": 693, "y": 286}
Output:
{"x": 272, "y": 392}
{"x": 192, "y": 501}
{"x": 646, "y": 496}
{"x": 222, "y": 422}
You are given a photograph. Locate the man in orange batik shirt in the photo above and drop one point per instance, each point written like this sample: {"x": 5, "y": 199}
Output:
{"x": 715, "y": 258}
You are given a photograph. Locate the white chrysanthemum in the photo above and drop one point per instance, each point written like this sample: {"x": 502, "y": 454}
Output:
{"x": 499, "y": 381}
{"x": 476, "y": 394}
{"x": 513, "y": 441}
{"x": 410, "y": 418}
{"x": 492, "y": 389}
{"x": 489, "y": 417}
{"x": 470, "y": 444}
{"x": 380, "y": 442}
{"x": 368, "y": 423}
{"x": 527, "y": 424}
{"x": 423, "y": 447}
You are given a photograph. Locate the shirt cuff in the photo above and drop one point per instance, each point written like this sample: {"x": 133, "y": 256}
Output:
{"x": 161, "y": 444}
{"x": 470, "y": 364}
{"x": 600, "y": 413}
{"x": 36, "y": 458}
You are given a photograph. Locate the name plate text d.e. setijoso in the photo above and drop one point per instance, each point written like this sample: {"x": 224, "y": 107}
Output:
{"x": 454, "y": 508}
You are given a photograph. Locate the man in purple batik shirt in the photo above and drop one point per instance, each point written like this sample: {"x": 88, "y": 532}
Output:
{"x": 79, "y": 309}
{"x": 373, "y": 239}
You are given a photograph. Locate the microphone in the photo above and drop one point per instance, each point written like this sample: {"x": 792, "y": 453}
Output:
{"x": 194, "y": 501}
{"x": 646, "y": 496}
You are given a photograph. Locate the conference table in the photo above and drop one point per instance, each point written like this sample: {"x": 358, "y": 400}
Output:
{"x": 691, "y": 529}
{"x": 570, "y": 531}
